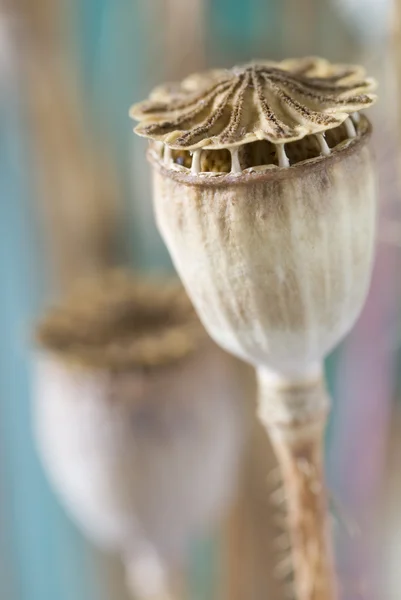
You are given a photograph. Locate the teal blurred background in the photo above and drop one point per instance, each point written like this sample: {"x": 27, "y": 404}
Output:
{"x": 103, "y": 55}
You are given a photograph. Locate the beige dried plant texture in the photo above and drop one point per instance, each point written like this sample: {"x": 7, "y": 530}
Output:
{"x": 275, "y": 101}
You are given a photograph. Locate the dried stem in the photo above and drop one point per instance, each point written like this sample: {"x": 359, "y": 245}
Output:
{"x": 249, "y": 548}
{"x": 396, "y": 47}
{"x": 75, "y": 181}
{"x": 295, "y": 415}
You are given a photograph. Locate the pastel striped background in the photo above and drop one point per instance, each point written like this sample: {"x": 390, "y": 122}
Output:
{"x": 121, "y": 48}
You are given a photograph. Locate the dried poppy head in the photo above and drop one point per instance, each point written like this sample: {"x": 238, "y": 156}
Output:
{"x": 265, "y": 195}
{"x": 138, "y": 417}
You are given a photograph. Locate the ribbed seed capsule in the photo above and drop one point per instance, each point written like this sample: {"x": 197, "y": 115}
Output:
{"x": 276, "y": 249}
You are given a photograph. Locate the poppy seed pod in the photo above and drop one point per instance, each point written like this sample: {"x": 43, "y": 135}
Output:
{"x": 138, "y": 421}
{"x": 265, "y": 195}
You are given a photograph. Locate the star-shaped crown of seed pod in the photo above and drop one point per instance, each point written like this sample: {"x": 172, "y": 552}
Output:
{"x": 274, "y": 101}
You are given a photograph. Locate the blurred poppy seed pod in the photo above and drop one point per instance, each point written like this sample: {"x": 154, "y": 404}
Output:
{"x": 138, "y": 421}
{"x": 265, "y": 195}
